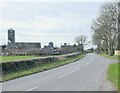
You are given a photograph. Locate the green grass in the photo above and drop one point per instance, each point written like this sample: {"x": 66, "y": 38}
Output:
{"x": 40, "y": 68}
{"x": 112, "y": 57}
{"x": 113, "y": 74}
{"x": 114, "y": 71}
{"x": 14, "y": 58}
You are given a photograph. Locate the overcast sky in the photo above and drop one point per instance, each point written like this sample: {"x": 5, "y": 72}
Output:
{"x": 58, "y": 22}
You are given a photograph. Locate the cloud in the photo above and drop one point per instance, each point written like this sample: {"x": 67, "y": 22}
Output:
{"x": 44, "y": 22}
{"x": 47, "y": 22}
{"x": 58, "y": 0}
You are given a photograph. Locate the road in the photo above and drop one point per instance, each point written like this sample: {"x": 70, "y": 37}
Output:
{"x": 87, "y": 74}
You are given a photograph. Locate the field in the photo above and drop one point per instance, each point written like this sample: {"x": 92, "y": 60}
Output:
{"x": 114, "y": 74}
{"x": 14, "y": 58}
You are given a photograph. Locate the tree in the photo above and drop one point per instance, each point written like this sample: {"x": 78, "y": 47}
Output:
{"x": 81, "y": 41}
{"x": 106, "y": 25}
{"x": 96, "y": 40}
{"x": 118, "y": 37}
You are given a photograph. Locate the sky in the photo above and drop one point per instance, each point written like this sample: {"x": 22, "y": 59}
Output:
{"x": 59, "y": 22}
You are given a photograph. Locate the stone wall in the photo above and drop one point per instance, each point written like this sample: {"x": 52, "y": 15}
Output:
{"x": 8, "y": 67}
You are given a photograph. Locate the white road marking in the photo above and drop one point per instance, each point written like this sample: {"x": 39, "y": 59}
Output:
{"x": 90, "y": 61}
{"x": 32, "y": 89}
{"x": 68, "y": 73}
{"x": 93, "y": 59}
{"x": 82, "y": 64}
{"x": 87, "y": 63}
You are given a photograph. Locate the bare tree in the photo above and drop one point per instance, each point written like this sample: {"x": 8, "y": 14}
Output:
{"x": 81, "y": 40}
{"x": 118, "y": 37}
{"x": 97, "y": 41}
{"x": 106, "y": 25}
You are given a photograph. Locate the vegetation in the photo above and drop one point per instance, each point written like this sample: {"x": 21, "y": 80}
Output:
{"x": 112, "y": 57}
{"x": 39, "y": 68}
{"x": 106, "y": 36}
{"x": 106, "y": 33}
{"x": 113, "y": 74}
{"x": 81, "y": 40}
{"x": 113, "y": 71}
{"x": 14, "y": 58}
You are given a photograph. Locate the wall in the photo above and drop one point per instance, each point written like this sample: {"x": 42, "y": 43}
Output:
{"x": 28, "y": 64}
{"x": 117, "y": 52}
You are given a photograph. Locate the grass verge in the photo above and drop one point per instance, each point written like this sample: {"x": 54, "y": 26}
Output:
{"x": 112, "y": 57}
{"x": 40, "y": 68}
{"x": 114, "y": 74}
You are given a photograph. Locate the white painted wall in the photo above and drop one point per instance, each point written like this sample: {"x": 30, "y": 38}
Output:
{"x": 117, "y": 52}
